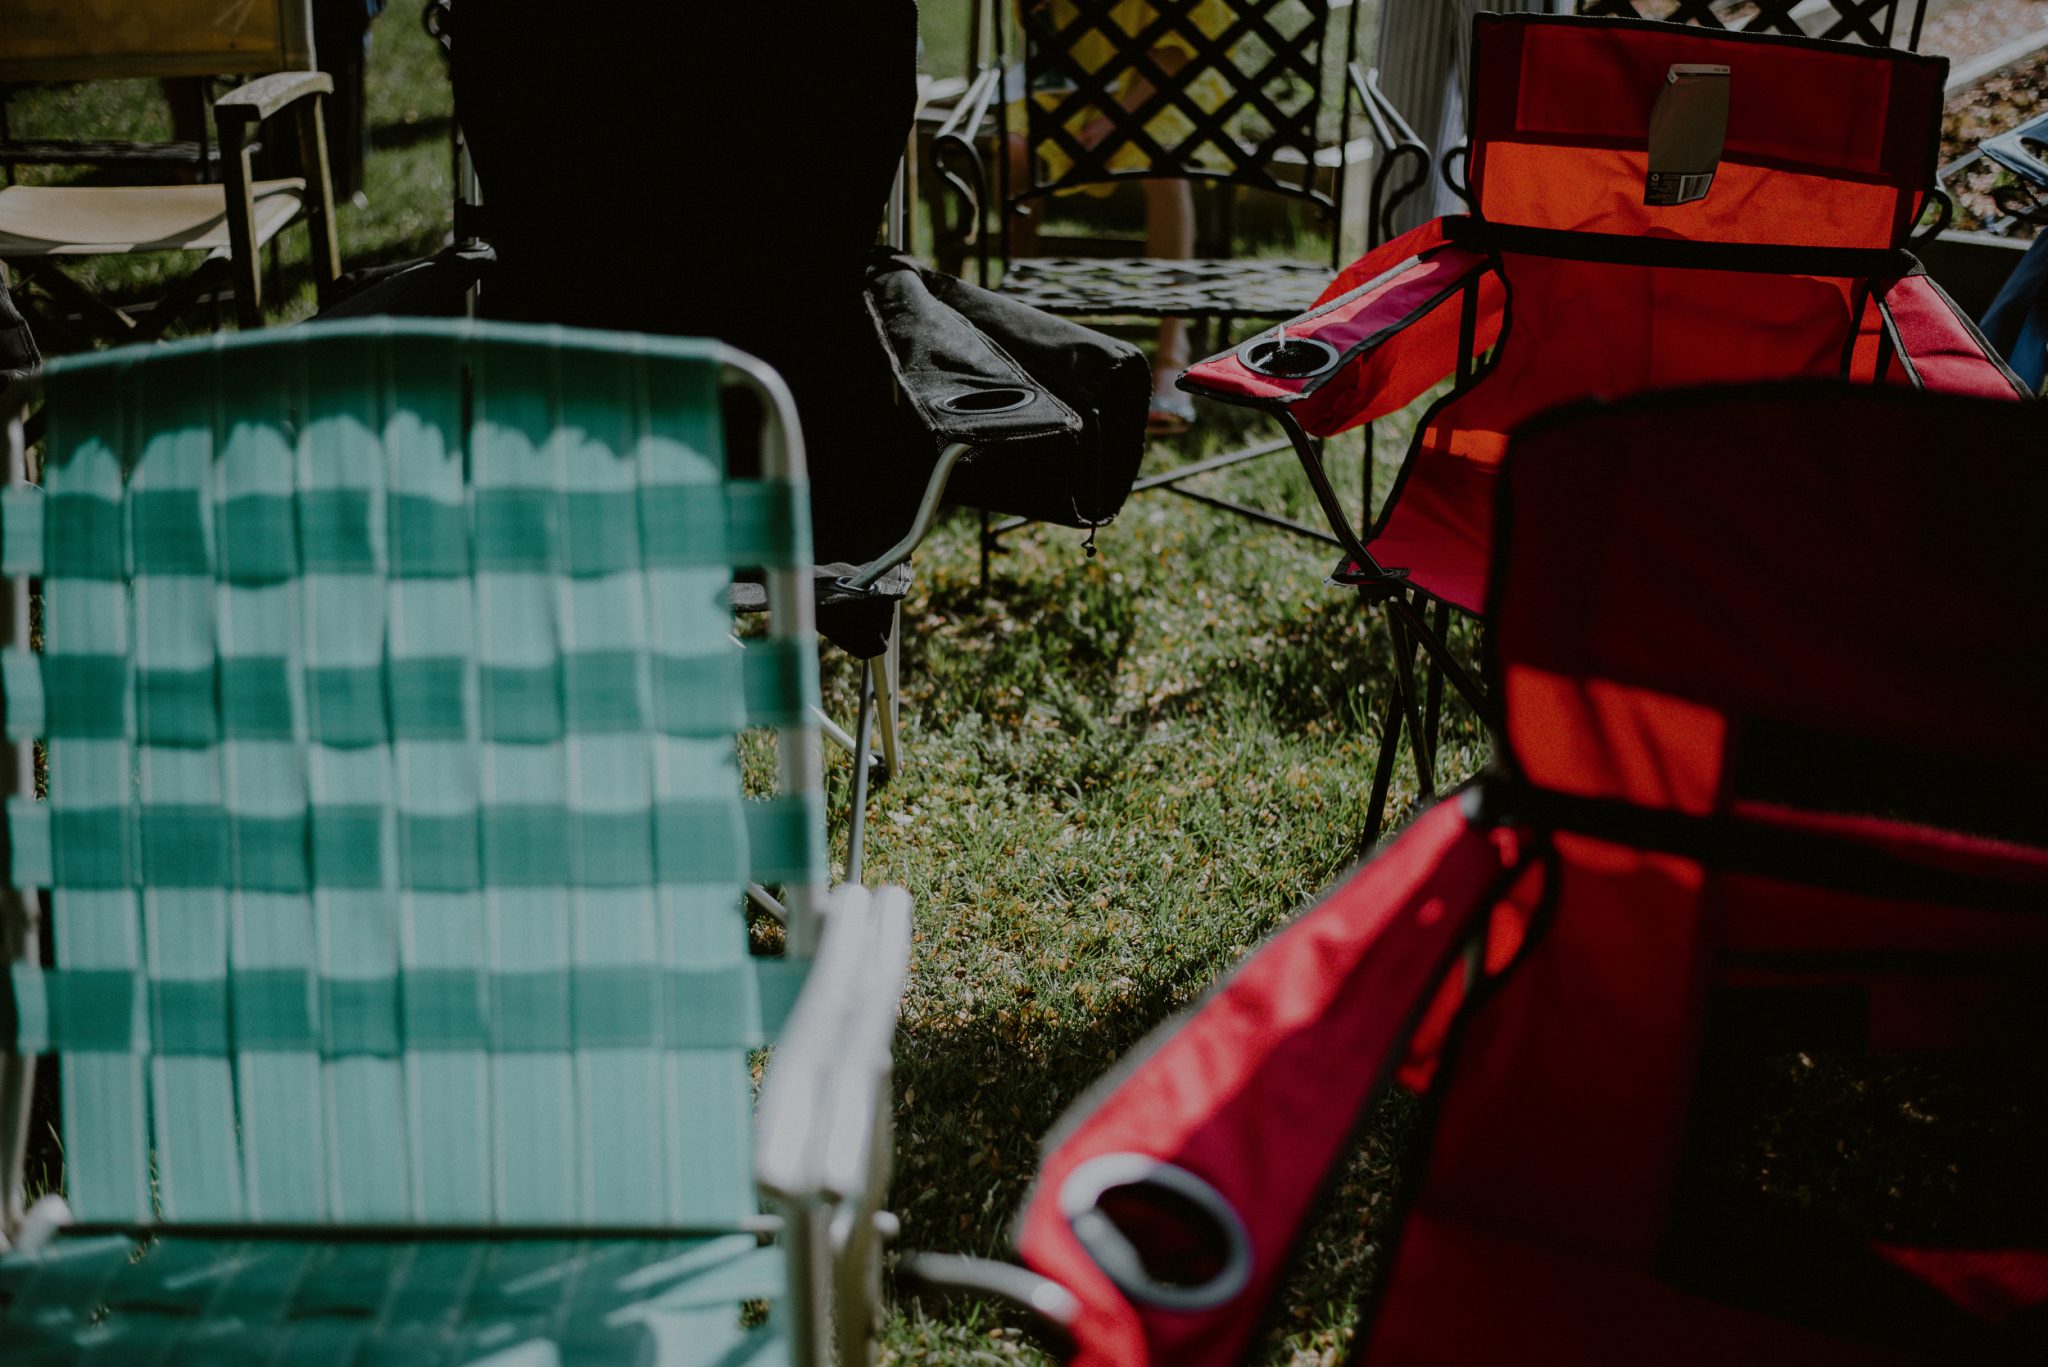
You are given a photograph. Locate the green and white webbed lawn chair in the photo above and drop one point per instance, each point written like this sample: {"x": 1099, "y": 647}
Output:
{"x": 398, "y": 973}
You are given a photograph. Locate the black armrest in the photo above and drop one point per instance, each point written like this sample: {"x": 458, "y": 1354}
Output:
{"x": 1053, "y": 412}
{"x": 437, "y": 286}
{"x": 963, "y": 385}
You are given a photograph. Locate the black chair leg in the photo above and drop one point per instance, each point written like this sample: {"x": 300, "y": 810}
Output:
{"x": 1434, "y": 713}
{"x": 1382, "y": 777}
{"x": 1404, "y": 689}
{"x": 1365, "y": 481}
{"x": 863, "y": 740}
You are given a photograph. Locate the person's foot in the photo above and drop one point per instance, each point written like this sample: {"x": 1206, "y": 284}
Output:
{"x": 1172, "y": 411}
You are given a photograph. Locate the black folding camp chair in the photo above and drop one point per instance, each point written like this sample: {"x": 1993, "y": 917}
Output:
{"x": 591, "y": 221}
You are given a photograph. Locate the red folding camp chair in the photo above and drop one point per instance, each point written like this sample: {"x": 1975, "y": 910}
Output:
{"x": 1651, "y": 206}
{"x": 1772, "y": 682}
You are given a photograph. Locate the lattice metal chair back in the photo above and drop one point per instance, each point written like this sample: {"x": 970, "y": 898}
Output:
{"x": 395, "y": 834}
{"x": 1250, "y": 91}
{"x": 1251, "y": 96}
{"x": 1245, "y": 106}
{"x": 1875, "y": 22}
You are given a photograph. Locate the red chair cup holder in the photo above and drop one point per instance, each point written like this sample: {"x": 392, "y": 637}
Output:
{"x": 1162, "y": 1234}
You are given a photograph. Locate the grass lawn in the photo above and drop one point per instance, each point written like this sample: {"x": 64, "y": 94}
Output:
{"x": 1125, "y": 770}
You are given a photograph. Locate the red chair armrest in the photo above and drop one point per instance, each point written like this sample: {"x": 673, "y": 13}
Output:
{"x": 1388, "y": 334}
{"x": 1247, "y": 1101}
{"x": 1940, "y": 349}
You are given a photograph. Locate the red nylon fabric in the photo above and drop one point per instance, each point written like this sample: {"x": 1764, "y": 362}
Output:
{"x": 1674, "y": 570}
{"x": 1825, "y": 145}
{"x": 1577, "y": 329}
{"x": 1683, "y": 578}
{"x": 1396, "y": 291}
{"x": 1989, "y": 995}
{"x": 1258, "y": 1089}
{"x": 1993, "y": 1284}
{"x": 1572, "y": 1079}
{"x": 1507, "y": 930}
{"x": 1818, "y": 527}
{"x": 1396, "y": 372}
{"x": 1383, "y": 258}
{"x": 1873, "y": 360}
{"x": 1461, "y": 1295}
{"x": 1945, "y": 353}
{"x": 1773, "y": 917}
{"x": 1825, "y": 148}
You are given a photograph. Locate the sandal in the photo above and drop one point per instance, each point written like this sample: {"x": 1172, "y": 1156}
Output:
{"x": 1172, "y": 412}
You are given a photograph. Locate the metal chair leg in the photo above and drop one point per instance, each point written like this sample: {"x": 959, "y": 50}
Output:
{"x": 1365, "y": 481}
{"x": 863, "y": 732}
{"x": 888, "y": 676}
{"x": 1404, "y": 690}
{"x": 1382, "y": 778}
{"x": 1434, "y": 713}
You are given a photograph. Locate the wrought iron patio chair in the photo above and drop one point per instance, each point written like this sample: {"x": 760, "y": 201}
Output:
{"x": 1875, "y": 22}
{"x": 1252, "y": 107}
{"x": 397, "y": 967}
{"x": 1786, "y": 258}
{"x": 1763, "y": 791}
{"x": 45, "y": 227}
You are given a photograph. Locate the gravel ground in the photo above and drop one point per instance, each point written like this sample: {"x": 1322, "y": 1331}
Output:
{"x": 1968, "y": 28}
{"x": 2002, "y": 100}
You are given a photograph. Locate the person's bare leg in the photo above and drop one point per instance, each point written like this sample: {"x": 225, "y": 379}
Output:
{"x": 1170, "y": 234}
{"x": 1023, "y": 222}
{"x": 186, "y": 98}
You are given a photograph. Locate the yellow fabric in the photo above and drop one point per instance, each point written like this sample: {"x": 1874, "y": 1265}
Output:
{"x": 1093, "y": 49}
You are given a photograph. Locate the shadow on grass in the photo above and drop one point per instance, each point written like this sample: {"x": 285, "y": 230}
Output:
{"x": 391, "y": 135}
{"x": 963, "y": 1172}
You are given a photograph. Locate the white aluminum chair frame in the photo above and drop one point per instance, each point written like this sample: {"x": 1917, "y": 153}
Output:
{"x": 822, "y": 1136}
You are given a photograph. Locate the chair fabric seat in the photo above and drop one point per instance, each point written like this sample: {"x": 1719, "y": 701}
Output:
{"x": 513, "y": 1302}
{"x": 1155, "y": 287}
{"x": 1460, "y": 1294}
{"x": 114, "y": 220}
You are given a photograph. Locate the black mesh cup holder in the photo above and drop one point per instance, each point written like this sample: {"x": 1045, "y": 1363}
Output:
{"x": 1004, "y": 399}
{"x": 1288, "y": 358}
{"x": 1162, "y": 1234}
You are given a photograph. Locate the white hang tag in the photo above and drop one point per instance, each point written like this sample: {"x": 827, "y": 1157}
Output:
{"x": 1687, "y": 128}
